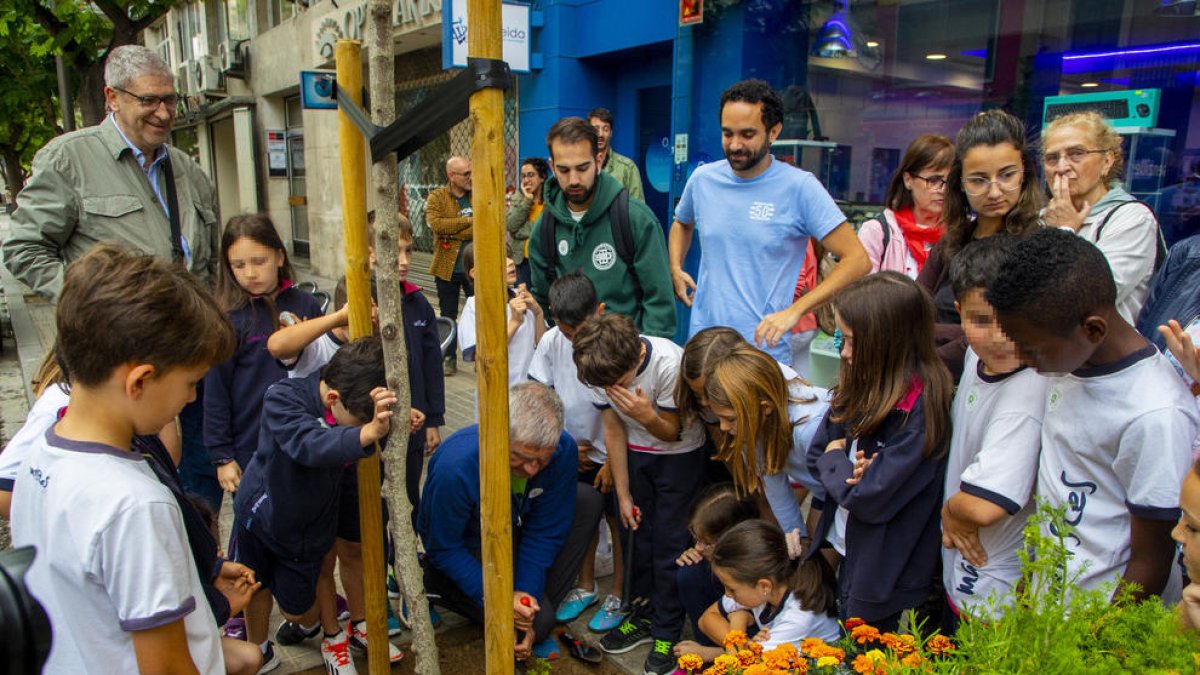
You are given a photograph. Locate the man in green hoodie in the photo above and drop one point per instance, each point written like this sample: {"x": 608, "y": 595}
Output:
{"x": 578, "y": 199}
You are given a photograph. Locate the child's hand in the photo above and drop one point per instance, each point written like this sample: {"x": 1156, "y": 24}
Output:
{"x": 531, "y": 304}
{"x": 585, "y": 462}
{"x": 229, "y": 475}
{"x": 604, "y": 479}
{"x": 1180, "y": 344}
{"x": 795, "y": 543}
{"x": 630, "y": 514}
{"x": 237, "y": 583}
{"x": 381, "y": 423}
{"x": 1189, "y": 605}
{"x": 762, "y": 635}
{"x": 861, "y": 463}
{"x": 416, "y": 420}
{"x": 343, "y": 316}
{"x": 964, "y": 536}
{"x": 692, "y": 556}
{"x": 686, "y": 647}
{"x": 433, "y": 438}
{"x": 835, "y": 446}
{"x": 635, "y": 404}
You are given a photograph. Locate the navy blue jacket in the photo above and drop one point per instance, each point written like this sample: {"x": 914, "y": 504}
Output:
{"x": 427, "y": 384}
{"x": 893, "y": 534}
{"x": 1175, "y": 293}
{"x": 448, "y": 518}
{"x": 233, "y": 391}
{"x": 289, "y": 492}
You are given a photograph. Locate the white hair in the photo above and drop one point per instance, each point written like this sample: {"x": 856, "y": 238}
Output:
{"x": 535, "y": 415}
{"x": 129, "y": 62}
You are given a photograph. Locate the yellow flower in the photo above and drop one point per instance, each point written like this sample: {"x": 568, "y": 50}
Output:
{"x": 727, "y": 661}
{"x": 757, "y": 648}
{"x": 827, "y": 661}
{"x": 746, "y": 656}
{"x": 689, "y": 662}
{"x": 735, "y": 639}
{"x": 757, "y": 669}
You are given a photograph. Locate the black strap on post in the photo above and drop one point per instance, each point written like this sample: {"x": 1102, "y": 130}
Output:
{"x": 173, "y": 212}
{"x": 446, "y": 106}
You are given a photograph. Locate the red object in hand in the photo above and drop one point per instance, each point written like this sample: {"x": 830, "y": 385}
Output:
{"x": 637, "y": 513}
{"x": 525, "y": 601}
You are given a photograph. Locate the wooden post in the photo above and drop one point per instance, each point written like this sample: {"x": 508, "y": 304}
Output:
{"x": 353, "y": 152}
{"x": 491, "y": 301}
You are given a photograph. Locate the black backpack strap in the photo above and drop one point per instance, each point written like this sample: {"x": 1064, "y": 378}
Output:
{"x": 618, "y": 222}
{"x": 547, "y": 233}
{"x": 173, "y": 206}
{"x": 1160, "y": 243}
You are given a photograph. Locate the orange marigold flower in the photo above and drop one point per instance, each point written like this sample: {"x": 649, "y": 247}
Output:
{"x": 757, "y": 669}
{"x": 863, "y": 665}
{"x": 735, "y": 639}
{"x": 900, "y": 644}
{"x": 913, "y": 660}
{"x": 781, "y": 658}
{"x": 689, "y": 662}
{"x": 854, "y": 622}
{"x": 807, "y": 645}
{"x": 830, "y": 651}
{"x": 726, "y": 662}
{"x": 746, "y": 656}
{"x": 940, "y": 644}
{"x": 864, "y": 634}
{"x": 757, "y": 648}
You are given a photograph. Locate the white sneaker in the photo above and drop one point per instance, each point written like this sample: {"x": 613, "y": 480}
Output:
{"x": 358, "y": 642}
{"x": 335, "y": 652}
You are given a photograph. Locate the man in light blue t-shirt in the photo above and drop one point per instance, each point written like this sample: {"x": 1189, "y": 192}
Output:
{"x": 755, "y": 216}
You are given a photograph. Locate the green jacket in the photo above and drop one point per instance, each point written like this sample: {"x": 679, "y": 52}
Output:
{"x": 588, "y": 246}
{"x": 86, "y": 188}
{"x": 626, "y": 172}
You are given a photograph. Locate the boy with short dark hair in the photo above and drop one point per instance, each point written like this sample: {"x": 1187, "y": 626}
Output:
{"x": 137, "y": 335}
{"x": 1119, "y": 424}
{"x": 997, "y": 437}
{"x": 313, "y": 429}
{"x": 526, "y": 321}
{"x": 633, "y": 380}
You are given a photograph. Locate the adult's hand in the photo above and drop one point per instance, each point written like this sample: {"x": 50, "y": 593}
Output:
{"x": 525, "y": 607}
{"x": 1181, "y": 347}
{"x": 229, "y": 475}
{"x": 774, "y": 326}
{"x": 685, "y": 286}
{"x": 1061, "y": 211}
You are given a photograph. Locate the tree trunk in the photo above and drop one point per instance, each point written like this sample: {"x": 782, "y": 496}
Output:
{"x": 385, "y": 177}
{"x": 14, "y": 173}
{"x": 90, "y": 97}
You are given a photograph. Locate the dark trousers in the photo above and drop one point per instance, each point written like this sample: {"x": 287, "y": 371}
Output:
{"x": 413, "y": 465}
{"x": 699, "y": 588}
{"x": 447, "y": 292}
{"x": 196, "y": 471}
{"x": 663, "y": 488}
{"x": 560, "y": 578}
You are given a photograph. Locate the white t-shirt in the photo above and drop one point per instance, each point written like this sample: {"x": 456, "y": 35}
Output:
{"x": 792, "y": 623}
{"x": 656, "y": 376}
{"x": 994, "y": 446}
{"x": 554, "y": 366}
{"x": 41, "y": 417}
{"x": 1116, "y": 441}
{"x": 1129, "y": 242}
{"x": 805, "y": 416}
{"x": 113, "y": 557}
{"x": 315, "y": 356}
{"x": 520, "y": 345}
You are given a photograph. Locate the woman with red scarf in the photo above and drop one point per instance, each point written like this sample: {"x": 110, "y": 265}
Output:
{"x": 900, "y": 239}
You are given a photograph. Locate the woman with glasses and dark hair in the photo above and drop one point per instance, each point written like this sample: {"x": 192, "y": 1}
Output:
{"x": 901, "y": 238}
{"x": 1083, "y": 159}
{"x": 992, "y": 187}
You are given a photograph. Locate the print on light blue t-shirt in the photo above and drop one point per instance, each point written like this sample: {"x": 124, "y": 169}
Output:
{"x": 753, "y": 236}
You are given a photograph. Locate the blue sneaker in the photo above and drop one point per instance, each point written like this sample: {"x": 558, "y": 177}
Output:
{"x": 434, "y": 618}
{"x": 611, "y": 614}
{"x": 394, "y": 626}
{"x": 546, "y": 649}
{"x": 393, "y": 588}
{"x": 575, "y": 603}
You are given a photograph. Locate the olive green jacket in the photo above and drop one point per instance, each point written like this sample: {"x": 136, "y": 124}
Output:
{"x": 626, "y": 172}
{"x": 87, "y": 187}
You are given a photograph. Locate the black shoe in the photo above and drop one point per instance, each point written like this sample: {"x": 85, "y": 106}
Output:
{"x": 628, "y": 635}
{"x": 661, "y": 660}
{"x": 270, "y": 660}
{"x": 290, "y": 633}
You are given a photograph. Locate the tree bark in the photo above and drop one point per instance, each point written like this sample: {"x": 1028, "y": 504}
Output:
{"x": 381, "y": 69}
{"x": 14, "y": 173}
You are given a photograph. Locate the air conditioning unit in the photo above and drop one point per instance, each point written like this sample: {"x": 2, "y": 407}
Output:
{"x": 1132, "y": 108}
{"x": 233, "y": 58}
{"x": 185, "y": 79}
{"x": 207, "y": 76}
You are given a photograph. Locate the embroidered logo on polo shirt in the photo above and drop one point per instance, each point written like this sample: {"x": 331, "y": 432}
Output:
{"x": 972, "y": 399}
{"x": 761, "y": 210}
{"x": 563, "y": 247}
{"x": 603, "y": 256}
{"x": 1055, "y": 399}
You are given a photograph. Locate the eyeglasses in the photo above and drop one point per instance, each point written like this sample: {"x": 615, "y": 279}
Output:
{"x": 1009, "y": 181}
{"x": 464, "y": 174}
{"x": 152, "y": 102}
{"x": 1073, "y": 155}
{"x": 934, "y": 182}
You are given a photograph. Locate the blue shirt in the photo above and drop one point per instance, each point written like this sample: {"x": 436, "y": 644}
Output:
{"x": 152, "y": 174}
{"x": 753, "y": 234}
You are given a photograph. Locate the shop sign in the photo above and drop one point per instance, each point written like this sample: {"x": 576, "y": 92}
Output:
{"x": 691, "y": 12}
{"x": 350, "y": 21}
{"x": 276, "y": 153}
{"x": 514, "y": 35}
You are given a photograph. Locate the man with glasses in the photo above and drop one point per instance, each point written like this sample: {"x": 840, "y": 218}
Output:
{"x": 448, "y": 212}
{"x": 553, "y": 517}
{"x": 117, "y": 181}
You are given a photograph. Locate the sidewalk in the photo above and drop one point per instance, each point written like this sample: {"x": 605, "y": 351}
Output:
{"x": 33, "y": 330}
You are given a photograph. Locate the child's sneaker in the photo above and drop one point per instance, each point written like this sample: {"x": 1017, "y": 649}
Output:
{"x": 343, "y": 609}
{"x": 393, "y": 588}
{"x": 290, "y": 633}
{"x": 235, "y": 629}
{"x": 335, "y": 652}
{"x": 394, "y": 626}
{"x": 358, "y": 641}
{"x": 546, "y": 649}
{"x": 575, "y": 603}
{"x": 612, "y": 613}
{"x": 661, "y": 660}
{"x": 632, "y": 632}
{"x": 270, "y": 660}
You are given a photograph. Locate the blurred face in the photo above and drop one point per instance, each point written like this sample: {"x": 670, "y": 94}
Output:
{"x": 404, "y": 251}
{"x": 725, "y": 416}
{"x": 745, "y": 595}
{"x": 603, "y": 130}
{"x": 147, "y": 126}
{"x": 1187, "y": 531}
{"x": 254, "y": 266}
{"x": 576, "y": 168}
{"x": 1070, "y": 152}
{"x": 697, "y": 387}
{"x": 992, "y": 176}
{"x": 526, "y": 461}
{"x": 531, "y": 181}
{"x": 1050, "y": 353}
{"x": 164, "y": 396}
{"x": 459, "y": 175}
{"x": 510, "y": 272}
{"x": 928, "y": 188}
{"x": 984, "y": 334}
{"x": 847, "y": 349}
{"x": 744, "y": 138}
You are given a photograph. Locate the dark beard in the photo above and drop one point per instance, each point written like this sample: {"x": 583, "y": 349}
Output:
{"x": 581, "y": 199}
{"x": 749, "y": 162}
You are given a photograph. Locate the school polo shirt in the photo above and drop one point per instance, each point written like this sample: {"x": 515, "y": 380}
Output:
{"x": 753, "y": 237}
{"x": 520, "y": 345}
{"x": 1116, "y": 442}
{"x": 553, "y": 365}
{"x": 995, "y": 442}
